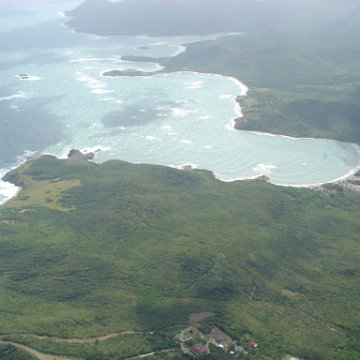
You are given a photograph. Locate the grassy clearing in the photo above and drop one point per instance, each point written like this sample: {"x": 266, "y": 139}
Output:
{"x": 44, "y": 193}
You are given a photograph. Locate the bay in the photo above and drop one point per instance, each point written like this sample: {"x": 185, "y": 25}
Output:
{"x": 174, "y": 119}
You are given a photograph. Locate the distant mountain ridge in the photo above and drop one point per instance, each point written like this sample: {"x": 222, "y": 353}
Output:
{"x": 187, "y": 17}
{"x": 160, "y": 17}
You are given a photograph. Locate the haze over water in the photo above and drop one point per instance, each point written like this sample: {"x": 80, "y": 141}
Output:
{"x": 174, "y": 119}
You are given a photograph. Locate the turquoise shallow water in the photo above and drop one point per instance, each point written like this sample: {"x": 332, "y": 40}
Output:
{"x": 174, "y": 119}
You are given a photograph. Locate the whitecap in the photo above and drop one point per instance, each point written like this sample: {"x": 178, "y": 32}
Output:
{"x": 101, "y": 91}
{"x": 178, "y": 112}
{"x": 194, "y": 85}
{"x": 90, "y": 81}
{"x": 151, "y": 138}
{"x": 264, "y": 169}
{"x": 226, "y": 96}
{"x": 19, "y": 94}
{"x": 168, "y": 130}
{"x": 159, "y": 43}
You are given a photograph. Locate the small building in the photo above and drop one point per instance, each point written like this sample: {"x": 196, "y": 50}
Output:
{"x": 199, "y": 350}
{"x": 239, "y": 350}
{"x": 220, "y": 339}
{"x": 252, "y": 343}
{"x": 181, "y": 338}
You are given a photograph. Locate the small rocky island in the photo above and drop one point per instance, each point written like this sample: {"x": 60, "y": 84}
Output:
{"x": 131, "y": 72}
{"x": 23, "y": 76}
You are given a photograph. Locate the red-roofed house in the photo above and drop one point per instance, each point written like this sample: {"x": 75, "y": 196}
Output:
{"x": 199, "y": 350}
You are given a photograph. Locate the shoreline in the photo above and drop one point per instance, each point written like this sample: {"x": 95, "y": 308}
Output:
{"x": 342, "y": 180}
{"x": 6, "y": 200}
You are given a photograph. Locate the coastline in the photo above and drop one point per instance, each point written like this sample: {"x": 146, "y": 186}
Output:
{"x": 232, "y": 126}
{"x": 12, "y": 195}
{"x": 343, "y": 181}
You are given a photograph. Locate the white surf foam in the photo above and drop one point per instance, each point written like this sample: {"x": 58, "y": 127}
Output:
{"x": 152, "y": 138}
{"x": 186, "y": 141}
{"x": 178, "y": 112}
{"x": 19, "y": 94}
{"x": 184, "y": 166}
{"x": 181, "y": 49}
{"x": 101, "y": 91}
{"x": 226, "y": 96}
{"x": 264, "y": 169}
{"x": 8, "y": 190}
{"x": 194, "y": 85}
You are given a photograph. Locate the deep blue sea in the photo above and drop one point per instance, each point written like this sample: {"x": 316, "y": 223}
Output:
{"x": 65, "y": 102}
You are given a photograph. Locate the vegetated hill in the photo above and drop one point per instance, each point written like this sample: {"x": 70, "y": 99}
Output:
{"x": 184, "y": 17}
{"x": 302, "y": 83}
{"x": 89, "y": 249}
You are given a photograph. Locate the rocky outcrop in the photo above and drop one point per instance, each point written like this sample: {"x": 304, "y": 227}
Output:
{"x": 78, "y": 155}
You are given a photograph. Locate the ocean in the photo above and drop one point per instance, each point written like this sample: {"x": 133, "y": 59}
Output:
{"x": 63, "y": 101}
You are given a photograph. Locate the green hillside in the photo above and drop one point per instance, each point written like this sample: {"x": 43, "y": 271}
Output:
{"x": 301, "y": 83}
{"x": 89, "y": 250}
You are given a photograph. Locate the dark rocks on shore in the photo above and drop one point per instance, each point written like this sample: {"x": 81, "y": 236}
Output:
{"x": 14, "y": 178}
{"x": 78, "y": 155}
